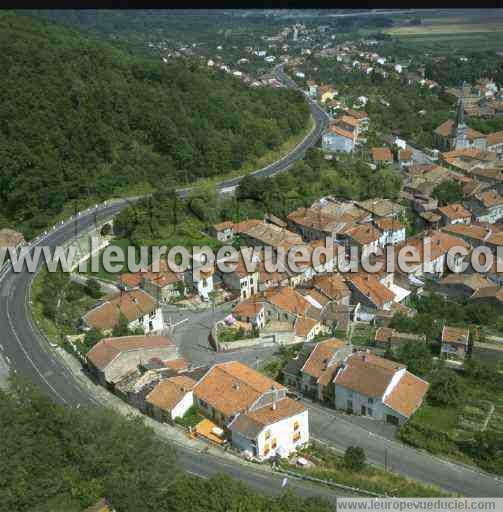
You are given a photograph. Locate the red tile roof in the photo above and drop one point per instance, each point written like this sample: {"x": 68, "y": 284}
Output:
{"x": 382, "y": 155}
{"x": 106, "y": 350}
{"x": 133, "y": 305}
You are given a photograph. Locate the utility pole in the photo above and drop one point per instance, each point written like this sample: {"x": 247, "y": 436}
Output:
{"x": 385, "y": 459}
{"x": 76, "y": 221}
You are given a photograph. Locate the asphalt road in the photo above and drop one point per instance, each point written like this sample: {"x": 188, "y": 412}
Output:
{"x": 333, "y": 428}
{"x": 30, "y": 356}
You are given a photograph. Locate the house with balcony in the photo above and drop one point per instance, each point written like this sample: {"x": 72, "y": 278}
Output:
{"x": 252, "y": 410}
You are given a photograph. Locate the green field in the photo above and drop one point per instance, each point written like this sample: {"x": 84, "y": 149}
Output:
{"x": 452, "y": 34}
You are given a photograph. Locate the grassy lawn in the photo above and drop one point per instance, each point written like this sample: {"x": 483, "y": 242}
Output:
{"x": 445, "y": 430}
{"x": 74, "y": 305}
{"x": 363, "y": 335}
{"x": 442, "y": 419}
{"x": 433, "y": 29}
{"x": 464, "y": 41}
{"x": 330, "y": 466}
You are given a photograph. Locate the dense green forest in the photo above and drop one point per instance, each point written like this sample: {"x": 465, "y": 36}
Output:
{"x": 451, "y": 71}
{"x": 55, "y": 459}
{"x": 82, "y": 119}
{"x": 165, "y": 219}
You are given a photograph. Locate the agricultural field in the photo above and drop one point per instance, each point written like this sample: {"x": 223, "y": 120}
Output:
{"x": 452, "y": 34}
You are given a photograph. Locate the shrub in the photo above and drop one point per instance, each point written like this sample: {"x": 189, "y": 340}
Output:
{"x": 354, "y": 458}
{"x": 445, "y": 388}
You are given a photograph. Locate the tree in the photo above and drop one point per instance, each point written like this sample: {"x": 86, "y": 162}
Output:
{"x": 93, "y": 288}
{"x": 445, "y": 388}
{"x": 90, "y": 339}
{"x": 354, "y": 458}
{"x": 448, "y": 192}
{"x": 416, "y": 356}
{"x": 122, "y": 327}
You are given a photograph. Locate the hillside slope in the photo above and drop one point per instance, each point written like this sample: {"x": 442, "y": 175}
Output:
{"x": 78, "y": 118}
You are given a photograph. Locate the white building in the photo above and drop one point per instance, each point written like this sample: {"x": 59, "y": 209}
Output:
{"x": 369, "y": 385}
{"x": 336, "y": 139}
{"x": 261, "y": 420}
{"x": 171, "y": 398}
{"x": 139, "y": 309}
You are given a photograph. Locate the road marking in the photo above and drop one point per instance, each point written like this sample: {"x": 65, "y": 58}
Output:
{"x": 21, "y": 346}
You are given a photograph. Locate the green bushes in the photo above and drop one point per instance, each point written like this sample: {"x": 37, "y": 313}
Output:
{"x": 331, "y": 466}
{"x": 190, "y": 419}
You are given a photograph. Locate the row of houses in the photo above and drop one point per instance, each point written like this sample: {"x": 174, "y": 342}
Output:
{"x": 240, "y": 405}
{"x": 358, "y": 382}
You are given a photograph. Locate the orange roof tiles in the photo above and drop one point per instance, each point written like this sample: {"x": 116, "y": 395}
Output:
{"x": 227, "y": 224}
{"x": 439, "y": 244}
{"x": 333, "y": 285}
{"x": 350, "y": 120}
{"x": 244, "y": 225}
{"x": 177, "y": 365}
{"x": 133, "y": 305}
{"x": 342, "y": 132}
{"x": 364, "y": 234}
{"x": 106, "y": 350}
{"x": 233, "y": 387}
{"x": 131, "y": 280}
{"x": 367, "y": 374}
{"x": 407, "y": 395}
{"x": 382, "y": 155}
{"x": 455, "y": 335}
{"x": 405, "y": 154}
{"x": 447, "y": 127}
{"x": 284, "y": 408}
{"x": 303, "y": 326}
{"x": 490, "y": 198}
{"x": 10, "y": 238}
{"x": 455, "y": 211}
{"x": 371, "y": 287}
{"x": 287, "y": 299}
{"x": 168, "y": 393}
{"x": 317, "y": 361}
{"x": 495, "y": 138}
{"x": 389, "y": 224}
{"x": 249, "y": 308}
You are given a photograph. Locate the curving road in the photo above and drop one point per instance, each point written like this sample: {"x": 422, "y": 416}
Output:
{"x": 23, "y": 348}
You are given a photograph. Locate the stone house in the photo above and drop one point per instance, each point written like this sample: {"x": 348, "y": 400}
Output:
{"x": 113, "y": 358}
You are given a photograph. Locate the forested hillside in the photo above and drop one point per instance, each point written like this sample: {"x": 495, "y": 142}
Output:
{"x": 79, "y": 118}
{"x": 55, "y": 459}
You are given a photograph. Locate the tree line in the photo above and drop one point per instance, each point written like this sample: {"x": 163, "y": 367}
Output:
{"x": 80, "y": 118}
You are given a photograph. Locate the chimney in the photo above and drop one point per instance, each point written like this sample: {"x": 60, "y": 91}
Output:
{"x": 236, "y": 386}
{"x": 273, "y": 406}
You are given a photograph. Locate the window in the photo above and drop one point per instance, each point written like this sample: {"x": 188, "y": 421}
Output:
{"x": 266, "y": 449}
{"x": 296, "y": 425}
{"x": 274, "y": 443}
{"x": 267, "y": 435}
{"x": 369, "y": 411}
{"x": 296, "y": 437}
{"x": 371, "y": 400}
